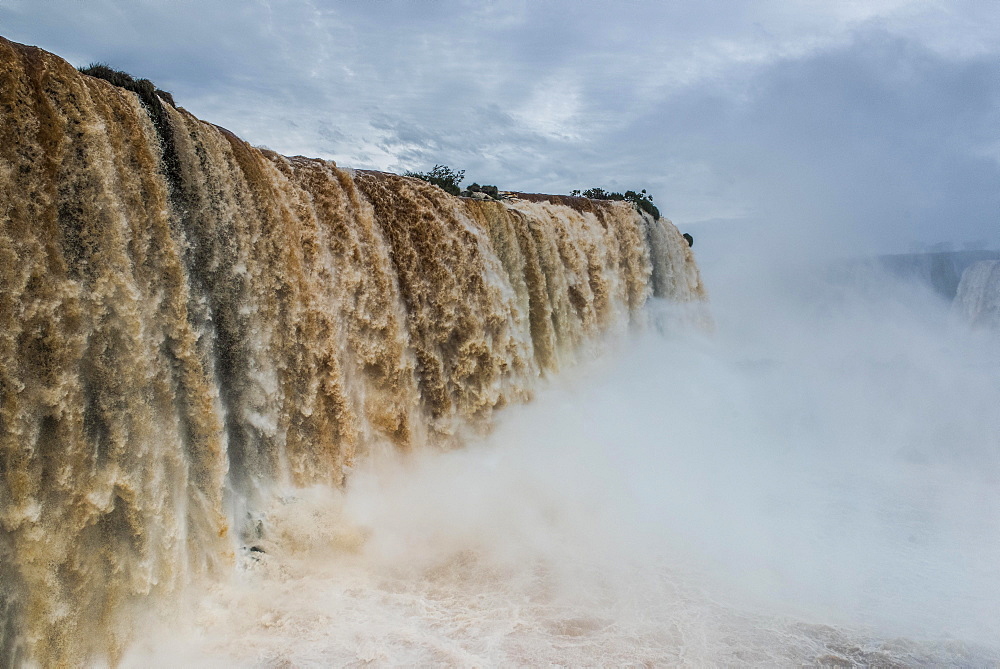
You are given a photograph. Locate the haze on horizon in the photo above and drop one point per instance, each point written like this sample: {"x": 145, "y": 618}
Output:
{"x": 849, "y": 127}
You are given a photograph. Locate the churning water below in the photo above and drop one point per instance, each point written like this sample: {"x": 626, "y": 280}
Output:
{"x": 816, "y": 482}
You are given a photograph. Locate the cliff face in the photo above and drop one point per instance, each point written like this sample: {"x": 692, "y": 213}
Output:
{"x": 187, "y": 321}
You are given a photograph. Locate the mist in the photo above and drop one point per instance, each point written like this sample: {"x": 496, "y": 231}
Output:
{"x": 814, "y": 479}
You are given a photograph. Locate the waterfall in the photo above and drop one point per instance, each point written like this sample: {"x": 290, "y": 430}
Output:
{"x": 978, "y": 298}
{"x": 189, "y": 321}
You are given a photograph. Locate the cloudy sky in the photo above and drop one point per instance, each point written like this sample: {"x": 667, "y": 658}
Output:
{"x": 856, "y": 125}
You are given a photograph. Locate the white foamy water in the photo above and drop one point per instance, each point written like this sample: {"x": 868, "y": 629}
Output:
{"x": 818, "y": 481}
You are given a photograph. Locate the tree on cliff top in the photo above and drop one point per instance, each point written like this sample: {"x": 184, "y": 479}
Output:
{"x": 443, "y": 177}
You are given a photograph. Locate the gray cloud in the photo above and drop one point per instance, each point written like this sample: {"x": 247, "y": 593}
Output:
{"x": 879, "y": 143}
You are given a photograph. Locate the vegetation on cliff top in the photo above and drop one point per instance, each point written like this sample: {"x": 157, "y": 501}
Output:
{"x": 442, "y": 176}
{"x": 144, "y": 88}
{"x": 152, "y": 99}
{"x": 482, "y": 192}
{"x": 449, "y": 180}
{"x": 642, "y": 200}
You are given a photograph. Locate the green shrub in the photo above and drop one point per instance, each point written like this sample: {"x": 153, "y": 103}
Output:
{"x": 442, "y": 176}
{"x": 491, "y": 192}
{"x": 641, "y": 200}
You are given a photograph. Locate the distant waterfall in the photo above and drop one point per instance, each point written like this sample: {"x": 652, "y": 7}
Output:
{"x": 978, "y": 298}
{"x": 176, "y": 341}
